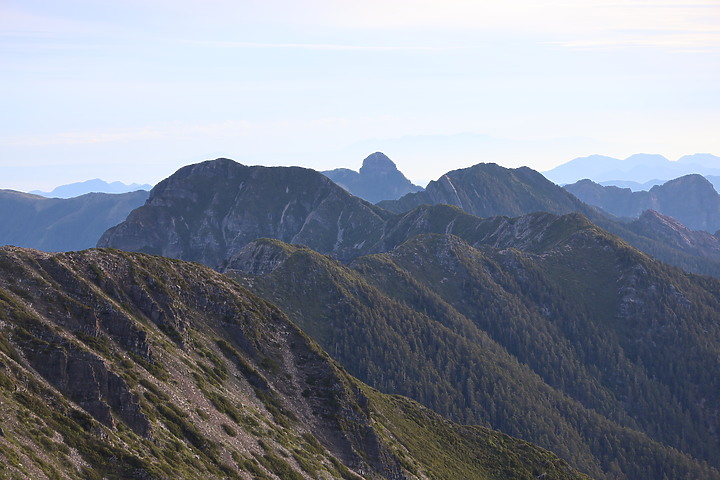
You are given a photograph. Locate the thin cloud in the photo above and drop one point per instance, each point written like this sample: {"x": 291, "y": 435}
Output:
{"x": 158, "y": 132}
{"x": 319, "y": 46}
{"x": 677, "y": 41}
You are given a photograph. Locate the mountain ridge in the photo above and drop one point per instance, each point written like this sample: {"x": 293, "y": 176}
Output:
{"x": 210, "y": 201}
{"x": 124, "y": 365}
{"x": 207, "y": 212}
{"x": 499, "y": 193}
{"x": 434, "y": 319}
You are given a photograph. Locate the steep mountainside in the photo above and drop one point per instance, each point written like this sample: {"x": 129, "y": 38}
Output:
{"x": 692, "y": 200}
{"x": 117, "y": 365}
{"x": 487, "y": 189}
{"x": 208, "y": 211}
{"x": 586, "y": 346}
{"x": 378, "y": 179}
{"x": 58, "y": 225}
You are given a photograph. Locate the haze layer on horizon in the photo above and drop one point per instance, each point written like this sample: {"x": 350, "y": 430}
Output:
{"x": 131, "y": 91}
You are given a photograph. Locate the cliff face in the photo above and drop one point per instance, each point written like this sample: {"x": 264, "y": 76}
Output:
{"x": 117, "y": 365}
{"x": 209, "y": 211}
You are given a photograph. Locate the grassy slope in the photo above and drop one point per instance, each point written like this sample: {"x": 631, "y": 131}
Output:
{"x": 228, "y": 387}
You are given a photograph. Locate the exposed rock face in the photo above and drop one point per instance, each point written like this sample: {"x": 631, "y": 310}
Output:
{"x": 209, "y": 211}
{"x": 86, "y": 379}
{"x": 378, "y": 179}
{"x": 118, "y": 365}
{"x": 691, "y": 199}
{"x": 59, "y": 225}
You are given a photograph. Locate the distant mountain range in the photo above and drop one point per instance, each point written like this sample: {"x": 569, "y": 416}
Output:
{"x": 692, "y": 200}
{"x": 639, "y": 168}
{"x": 91, "y": 186}
{"x": 59, "y": 225}
{"x": 378, "y": 179}
{"x": 209, "y": 211}
{"x": 494, "y": 297}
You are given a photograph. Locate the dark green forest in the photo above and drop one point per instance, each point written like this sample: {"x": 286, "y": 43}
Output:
{"x": 586, "y": 347}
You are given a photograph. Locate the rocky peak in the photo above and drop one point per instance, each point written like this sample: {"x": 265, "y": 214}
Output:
{"x": 488, "y": 189}
{"x": 209, "y": 211}
{"x": 378, "y": 179}
{"x": 378, "y": 163}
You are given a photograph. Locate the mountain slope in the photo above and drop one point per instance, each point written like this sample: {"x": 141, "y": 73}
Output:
{"x": 487, "y": 189}
{"x": 208, "y": 211}
{"x": 691, "y": 199}
{"x": 587, "y": 347}
{"x": 55, "y": 225}
{"x": 117, "y": 365}
{"x": 378, "y": 179}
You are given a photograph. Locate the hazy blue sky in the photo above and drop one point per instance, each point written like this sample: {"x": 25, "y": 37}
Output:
{"x": 131, "y": 90}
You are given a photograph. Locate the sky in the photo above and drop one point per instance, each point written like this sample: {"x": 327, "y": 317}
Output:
{"x": 132, "y": 90}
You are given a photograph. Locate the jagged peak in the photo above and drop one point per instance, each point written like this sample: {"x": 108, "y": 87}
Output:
{"x": 377, "y": 162}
